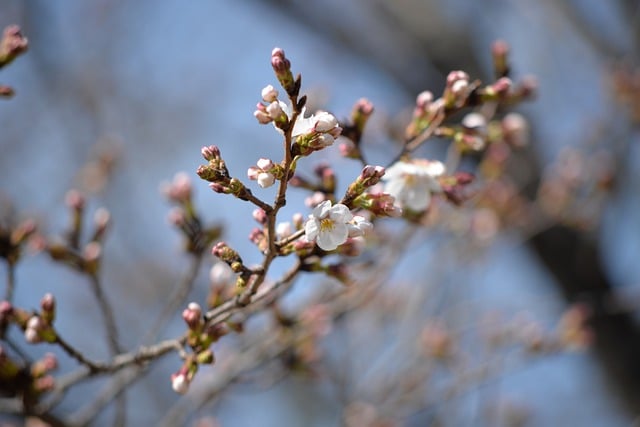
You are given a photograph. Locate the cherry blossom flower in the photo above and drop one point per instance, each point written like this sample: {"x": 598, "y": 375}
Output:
{"x": 412, "y": 183}
{"x": 330, "y": 226}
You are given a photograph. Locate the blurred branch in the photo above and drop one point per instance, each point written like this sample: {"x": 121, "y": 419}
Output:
{"x": 176, "y": 300}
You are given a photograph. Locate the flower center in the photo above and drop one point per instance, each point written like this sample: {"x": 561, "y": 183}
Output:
{"x": 326, "y": 224}
{"x": 410, "y": 180}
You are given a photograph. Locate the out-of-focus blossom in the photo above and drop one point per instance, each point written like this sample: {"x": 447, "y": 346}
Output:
{"x": 412, "y": 183}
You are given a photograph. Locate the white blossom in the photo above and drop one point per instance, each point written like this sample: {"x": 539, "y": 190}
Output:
{"x": 322, "y": 122}
{"x": 330, "y": 226}
{"x": 412, "y": 183}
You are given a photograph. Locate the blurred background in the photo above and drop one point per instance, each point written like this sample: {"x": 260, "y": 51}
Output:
{"x": 152, "y": 82}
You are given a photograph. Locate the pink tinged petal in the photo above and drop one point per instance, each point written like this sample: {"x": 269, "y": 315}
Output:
{"x": 252, "y": 173}
{"x": 354, "y": 230}
{"x": 265, "y": 164}
{"x": 362, "y": 223}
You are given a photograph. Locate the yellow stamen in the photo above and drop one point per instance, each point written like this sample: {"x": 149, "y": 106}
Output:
{"x": 326, "y": 225}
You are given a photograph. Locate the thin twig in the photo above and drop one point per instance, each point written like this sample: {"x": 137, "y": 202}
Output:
{"x": 176, "y": 300}
{"x": 107, "y": 314}
{"x": 11, "y": 282}
{"x": 76, "y": 354}
{"x": 268, "y": 347}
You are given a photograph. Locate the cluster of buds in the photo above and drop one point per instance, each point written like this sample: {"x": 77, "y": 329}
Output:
{"x": 29, "y": 382}
{"x": 265, "y": 172}
{"x": 37, "y": 327}
{"x": 309, "y": 133}
{"x": 230, "y": 256}
{"x": 85, "y": 258}
{"x": 457, "y": 89}
{"x": 217, "y": 174}
{"x": 315, "y": 133}
{"x": 41, "y": 380}
{"x": 272, "y": 110}
{"x": 200, "y": 337}
{"x": 426, "y": 112}
{"x": 370, "y": 176}
{"x": 12, "y": 44}
{"x": 353, "y": 130}
{"x": 472, "y": 135}
{"x": 379, "y": 204}
{"x": 185, "y": 217}
{"x": 13, "y": 239}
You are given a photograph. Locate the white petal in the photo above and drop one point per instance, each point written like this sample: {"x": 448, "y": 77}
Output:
{"x": 311, "y": 229}
{"x": 266, "y": 179}
{"x": 322, "y": 210}
{"x": 354, "y": 230}
{"x": 340, "y": 214}
{"x": 419, "y": 201}
{"x": 362, "y": 223}
{"x": 328, "y": 241}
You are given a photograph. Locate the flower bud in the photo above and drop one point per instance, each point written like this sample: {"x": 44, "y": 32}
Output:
{"x": 269, "y": 94}
{"x": 192, "y": 315}
{"x": 48, "y": 305}
{"x": 32, "y": 330}
{"x": 74, "y": 199}
{"x": 282, "y": 68}
{"x": 210, "y": 153}
{"x": 423, "y": 100}
{"x": 515, "y": 129}
{"x": 12, "y": 44}
{"x": 206, "y": 357}
{"x": 500, "y": 52}
{"x": 180, "y": 383}
{"x": 225, "y": 253}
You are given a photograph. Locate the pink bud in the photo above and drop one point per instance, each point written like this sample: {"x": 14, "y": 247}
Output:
{"x": 74, "y": 199}
{"x": 210, "y": 153}
{"x": 265, "y": 164}
{"x": 48, "y": 303}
